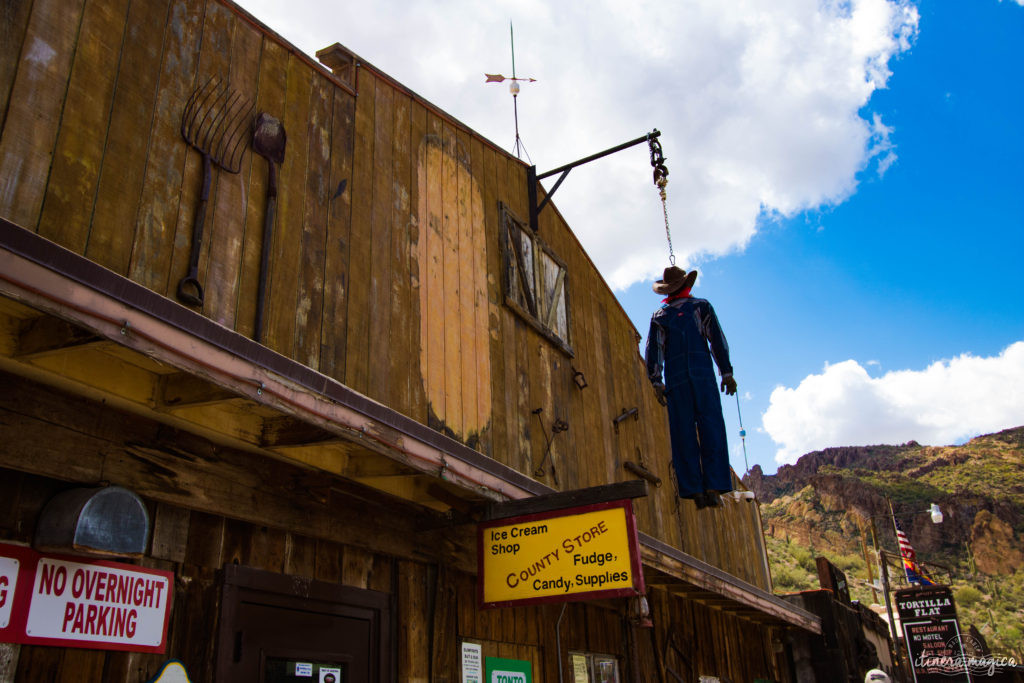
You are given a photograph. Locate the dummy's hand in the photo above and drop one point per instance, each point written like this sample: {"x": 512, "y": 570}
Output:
{"x": 659, "y": 391}
{"x": 729, "y": 385}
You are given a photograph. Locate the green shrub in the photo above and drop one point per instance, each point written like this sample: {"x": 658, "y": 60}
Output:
{"x": 849, "y": 563}
{"x": 1012, "y": 635}
{"x": 787, "y": 578}
{"x": 805, "y": 558}
{"x": 967, "y": 596}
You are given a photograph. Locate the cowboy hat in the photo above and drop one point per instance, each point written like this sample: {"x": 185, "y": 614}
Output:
{"x": 674, "y": 280}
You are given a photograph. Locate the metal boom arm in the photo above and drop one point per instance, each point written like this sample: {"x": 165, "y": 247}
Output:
{"x": 532, "y": 178}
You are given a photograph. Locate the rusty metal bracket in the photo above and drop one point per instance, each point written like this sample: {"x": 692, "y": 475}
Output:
{"x": 625, "y": 414}
{"x": 557, "y": 427}
{"x": 639, "y": 468}
{"x": 641, "y": 471}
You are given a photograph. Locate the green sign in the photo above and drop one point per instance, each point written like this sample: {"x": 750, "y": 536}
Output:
{"x": 507, "y": 670}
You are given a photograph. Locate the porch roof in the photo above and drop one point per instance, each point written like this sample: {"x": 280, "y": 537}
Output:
{"x": 73, "y": 324}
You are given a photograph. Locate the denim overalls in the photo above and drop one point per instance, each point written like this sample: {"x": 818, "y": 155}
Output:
{"x": 678, "y": 341}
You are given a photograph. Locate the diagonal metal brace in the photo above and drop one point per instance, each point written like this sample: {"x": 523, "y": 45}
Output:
{"x": 532, "y": 178}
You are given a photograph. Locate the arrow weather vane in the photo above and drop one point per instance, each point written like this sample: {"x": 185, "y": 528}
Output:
{"x": 513, "y": 88}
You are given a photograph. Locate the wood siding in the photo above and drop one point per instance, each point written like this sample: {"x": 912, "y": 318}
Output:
{"x": 309, "y": 526}
{"x": 386, "y": 271}
{"x": 434, "y": 605}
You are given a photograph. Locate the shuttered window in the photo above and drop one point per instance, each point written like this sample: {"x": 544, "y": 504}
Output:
{"x": 536, "y": 283}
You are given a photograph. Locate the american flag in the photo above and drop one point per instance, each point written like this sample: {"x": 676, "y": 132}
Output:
{"x": 915, "y": 573}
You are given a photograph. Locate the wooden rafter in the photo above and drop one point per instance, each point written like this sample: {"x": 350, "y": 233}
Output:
{"x": 49, "y": 349}
{"x": 46, "y": 334}
{"x": 182, "y": 389}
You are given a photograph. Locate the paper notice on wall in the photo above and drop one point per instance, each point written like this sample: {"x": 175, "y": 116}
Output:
{"x": 330, "y": 674}
{"x": 472, "y": 663}
{"x": 580, "y": 673}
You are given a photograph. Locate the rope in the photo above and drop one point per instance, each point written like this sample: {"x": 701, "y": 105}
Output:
{"x": 743, "y": 434}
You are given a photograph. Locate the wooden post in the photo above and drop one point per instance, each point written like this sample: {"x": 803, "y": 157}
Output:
{"x": 9, "y": 653}
{"x": 867, "y": 563}
{"x": 897, "y": 668}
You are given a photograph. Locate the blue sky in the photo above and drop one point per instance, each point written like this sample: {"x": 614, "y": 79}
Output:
{"x": 846, "y": 176}
{"x": 920, "y": 264}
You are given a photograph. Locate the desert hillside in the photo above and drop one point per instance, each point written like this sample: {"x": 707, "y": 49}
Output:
{"x": 822, "y": 506}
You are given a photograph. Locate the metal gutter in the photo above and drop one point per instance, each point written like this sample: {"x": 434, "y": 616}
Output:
{"x": 255, "y": 368}
{"x": 711, "y": 578}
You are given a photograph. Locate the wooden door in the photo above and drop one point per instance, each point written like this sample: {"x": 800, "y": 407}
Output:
{"x": 276, "y": 628}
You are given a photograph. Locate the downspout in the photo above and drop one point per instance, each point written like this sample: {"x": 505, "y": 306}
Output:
{"x": 558, "y": 640}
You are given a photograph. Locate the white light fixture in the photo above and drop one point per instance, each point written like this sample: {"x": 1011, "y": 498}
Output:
{"x": 936, "y": 514}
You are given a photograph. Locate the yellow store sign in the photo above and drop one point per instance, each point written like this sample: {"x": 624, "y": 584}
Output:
{"x": 576, "y": 554}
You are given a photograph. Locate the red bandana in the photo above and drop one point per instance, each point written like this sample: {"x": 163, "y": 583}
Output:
{"x": 682, "y": 294}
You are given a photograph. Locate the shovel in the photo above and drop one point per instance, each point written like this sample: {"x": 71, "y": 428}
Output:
{"x": 268, "y": 140}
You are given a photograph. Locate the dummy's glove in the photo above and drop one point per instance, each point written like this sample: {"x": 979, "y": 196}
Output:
{"x": 729, "y": 385}
{"x": 659, "y": 391}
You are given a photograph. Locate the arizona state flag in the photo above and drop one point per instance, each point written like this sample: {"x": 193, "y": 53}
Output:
{"x": 915, "y": 573}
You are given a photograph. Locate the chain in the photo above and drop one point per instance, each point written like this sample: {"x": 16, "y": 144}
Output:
{"x": 661, "y": 181}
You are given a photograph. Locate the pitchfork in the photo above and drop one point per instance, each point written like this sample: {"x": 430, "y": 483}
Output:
{"x": 214, "y": 122}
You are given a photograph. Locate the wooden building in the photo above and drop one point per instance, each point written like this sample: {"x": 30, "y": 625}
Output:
{"x": 853, "y": 640}
{"x": 423, "y": 355}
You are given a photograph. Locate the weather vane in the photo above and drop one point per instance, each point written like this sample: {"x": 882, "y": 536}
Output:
{"x": 513, "y": 88}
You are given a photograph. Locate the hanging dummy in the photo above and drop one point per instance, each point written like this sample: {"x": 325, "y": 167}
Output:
{"x": 678, "y": 348}
{"x": 682, "y": 331}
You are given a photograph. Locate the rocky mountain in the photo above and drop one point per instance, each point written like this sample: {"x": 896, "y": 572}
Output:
{"x": 826, "y": 502}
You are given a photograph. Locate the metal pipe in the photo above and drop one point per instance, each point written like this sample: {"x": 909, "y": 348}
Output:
{"x": 897, "y": 669}
{"x": 532, "y": 178}
{"x": 625, "y": 145}
{"x": 558, "y": 639}
{"x": 867, "y": 563}
{"x": 885, "y": 585}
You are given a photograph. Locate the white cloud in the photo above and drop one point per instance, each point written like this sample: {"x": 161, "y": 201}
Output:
{"x": 881, "y": 146}
{"x": 760, "y": 103}
{"x": 948, "y": 401}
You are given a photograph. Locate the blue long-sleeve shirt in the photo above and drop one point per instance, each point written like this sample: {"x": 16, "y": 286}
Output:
{"x": 695, "y": 328}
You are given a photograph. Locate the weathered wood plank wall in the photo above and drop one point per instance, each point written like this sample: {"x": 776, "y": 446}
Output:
{"x": 302, "y": 524}
{"x": 435, "y": 606}
{"x": 387, "y": 267}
